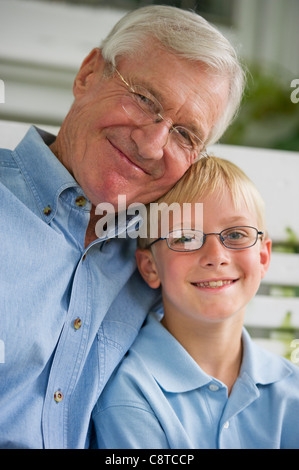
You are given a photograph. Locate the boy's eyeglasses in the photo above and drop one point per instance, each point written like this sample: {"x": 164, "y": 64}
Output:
{"x": 234, "y": 238}
{"x": 143, "y": 108}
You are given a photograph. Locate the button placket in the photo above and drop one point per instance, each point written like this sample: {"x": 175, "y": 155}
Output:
{"x": 63, "y": 376}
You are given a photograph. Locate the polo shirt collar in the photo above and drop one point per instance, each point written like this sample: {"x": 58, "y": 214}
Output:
{"x": 166, "y": 359}
{"x": 176, "y": 371}
{"x": 43, "y": 172}
{"x": 261, "y": 365}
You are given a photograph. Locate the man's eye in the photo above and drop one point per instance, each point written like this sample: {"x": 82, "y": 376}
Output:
{"x": 146, "y": 102}
{"x": 184, "y": 136}
{"x": 143, "y": 99}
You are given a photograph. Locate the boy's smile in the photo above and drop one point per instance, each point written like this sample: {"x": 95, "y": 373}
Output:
{"x": 214, "y": 283}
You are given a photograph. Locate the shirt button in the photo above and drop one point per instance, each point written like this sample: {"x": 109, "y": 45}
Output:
{"x": 213, "y": 387}
{"x": 47, "y": 210}
{"x": 77, "y": 324}
{"x": 226, "y": 425}
{"x": 58, "y": 396}
{"x": 80, "y": 201}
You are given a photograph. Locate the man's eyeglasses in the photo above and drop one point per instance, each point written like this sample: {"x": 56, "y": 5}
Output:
{"x": 143, "y": 108}
{"x": 234, "y": 238}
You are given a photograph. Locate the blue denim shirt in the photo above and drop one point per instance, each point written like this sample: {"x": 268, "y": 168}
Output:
{"x": 163, "y": 399}
{"x": 67, "y": 314}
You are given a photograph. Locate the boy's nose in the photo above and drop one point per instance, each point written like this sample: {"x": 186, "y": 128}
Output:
{"x": 213, "y": 252}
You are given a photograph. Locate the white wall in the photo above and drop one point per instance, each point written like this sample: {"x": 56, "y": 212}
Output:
{"x": 41, "y": 47}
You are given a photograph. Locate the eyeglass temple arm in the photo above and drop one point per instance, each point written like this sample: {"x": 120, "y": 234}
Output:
{"x": 155, "y": 241}
{"x": 261, "y": 234}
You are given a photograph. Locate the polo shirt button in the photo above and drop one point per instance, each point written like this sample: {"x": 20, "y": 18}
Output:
{"x": 80, "y": 201}
{"x": 226, "y": 425}
{"x": 213, "y": 387}
{"x": 77, "y": 324}
{"x": 58, "y": 396}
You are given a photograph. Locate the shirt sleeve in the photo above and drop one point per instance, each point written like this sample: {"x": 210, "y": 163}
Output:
{"x": 128, "y": 426}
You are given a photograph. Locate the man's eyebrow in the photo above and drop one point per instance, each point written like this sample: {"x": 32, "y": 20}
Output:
{"x": 148, "y": 87}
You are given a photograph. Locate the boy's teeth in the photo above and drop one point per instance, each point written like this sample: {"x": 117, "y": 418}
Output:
{"x": 213, "y": 283}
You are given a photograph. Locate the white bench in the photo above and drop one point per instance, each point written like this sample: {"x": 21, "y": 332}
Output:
{"x": 273, "y": 315}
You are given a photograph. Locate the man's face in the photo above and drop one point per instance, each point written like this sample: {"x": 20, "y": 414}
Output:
{"x": 107, "y": 153}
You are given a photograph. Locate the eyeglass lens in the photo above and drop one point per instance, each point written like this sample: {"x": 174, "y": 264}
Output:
{"x": 143, "y": 108}
{"x": 235, "y": 238}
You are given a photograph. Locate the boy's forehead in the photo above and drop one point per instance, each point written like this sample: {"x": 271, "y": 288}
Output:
{"x": 186, "y": 215}
{"x": 193, "y": 215}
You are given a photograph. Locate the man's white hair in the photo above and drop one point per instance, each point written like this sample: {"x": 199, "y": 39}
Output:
{"x": 189, "y": 36}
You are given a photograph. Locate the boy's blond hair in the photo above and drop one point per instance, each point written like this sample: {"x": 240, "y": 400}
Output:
{"x": 213, "y": 175}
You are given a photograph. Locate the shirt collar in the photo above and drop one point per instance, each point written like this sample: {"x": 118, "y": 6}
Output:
{"x": 170, "y": 364}
{"x": 43, "y": 172}
{"x": 176, "y": 371}
{"x": 261, "y": 365}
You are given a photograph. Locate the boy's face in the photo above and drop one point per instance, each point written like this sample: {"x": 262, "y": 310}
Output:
{"x": 181, "y": 274}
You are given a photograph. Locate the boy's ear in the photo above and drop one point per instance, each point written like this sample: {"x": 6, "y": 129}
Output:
{"x": 265, "y": 255}
{"x": 90, "y": 65}
{"x": 147, "y": 267}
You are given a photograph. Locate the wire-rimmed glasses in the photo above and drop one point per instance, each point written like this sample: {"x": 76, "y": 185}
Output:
{"x": 143, "y": 108}
{"x": 234, "y": 238}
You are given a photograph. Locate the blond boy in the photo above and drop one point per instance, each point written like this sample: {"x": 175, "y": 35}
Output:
{"x": 194, "y": 379}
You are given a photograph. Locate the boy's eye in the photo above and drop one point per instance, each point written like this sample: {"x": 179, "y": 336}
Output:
{"x": 235, "y": 235}
{"x": 238, "y": 235}
{"x": 183, "y": 239}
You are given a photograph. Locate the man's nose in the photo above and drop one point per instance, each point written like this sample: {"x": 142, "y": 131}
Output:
{"x": 151, "y": 139}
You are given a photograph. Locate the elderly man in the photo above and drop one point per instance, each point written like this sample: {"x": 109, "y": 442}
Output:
{"x": 163, "y": 85}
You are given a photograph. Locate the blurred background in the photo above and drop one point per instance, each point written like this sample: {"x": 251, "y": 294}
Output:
{"x": 43, "y": 42}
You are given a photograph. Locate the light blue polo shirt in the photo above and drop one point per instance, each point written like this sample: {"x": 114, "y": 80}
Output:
{"x": 160, "y": 398}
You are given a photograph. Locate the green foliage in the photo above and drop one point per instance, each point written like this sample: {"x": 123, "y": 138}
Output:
{"x": 267, "y": 117}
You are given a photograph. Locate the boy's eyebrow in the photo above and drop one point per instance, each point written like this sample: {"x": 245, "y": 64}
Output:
{"x": 238, "y": 220}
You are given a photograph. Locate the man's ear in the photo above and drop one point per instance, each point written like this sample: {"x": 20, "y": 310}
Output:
{"x": 147, "y": 267}
{"x": 265, "y": 255}
{"x": 93, "y": 63}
